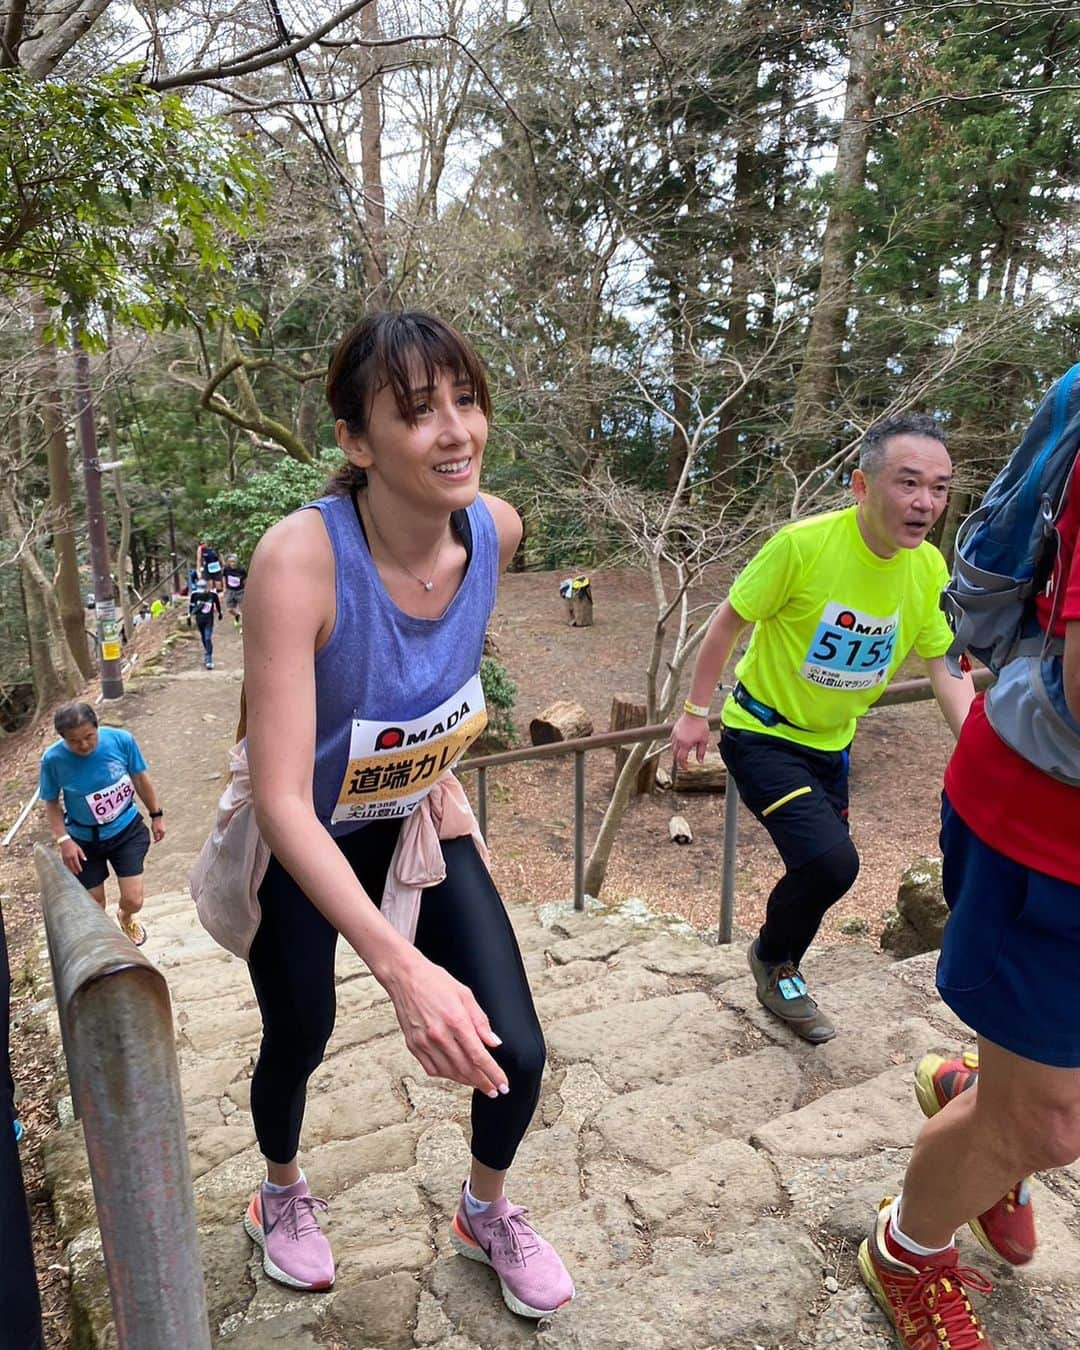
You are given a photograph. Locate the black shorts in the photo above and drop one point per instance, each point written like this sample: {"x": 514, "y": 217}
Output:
{"x": 124, "y": 852}
{"x": 800, "y": 795}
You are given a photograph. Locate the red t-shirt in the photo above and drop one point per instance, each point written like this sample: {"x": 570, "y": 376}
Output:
{"x": 1012, "y": 806}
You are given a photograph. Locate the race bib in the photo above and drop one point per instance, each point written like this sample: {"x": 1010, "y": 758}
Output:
{"x": 213, "y": 568}
{"x": 392, "y": 765}
{"x": 233, "y": 581}
{"x": 206, "y": 607}
{"x": 107, "y": 803}
{"x": 850, "y": 649}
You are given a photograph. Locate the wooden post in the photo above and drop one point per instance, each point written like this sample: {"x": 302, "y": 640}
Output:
{"x": 581, "y": 609}
{"x": 625, "y": 713}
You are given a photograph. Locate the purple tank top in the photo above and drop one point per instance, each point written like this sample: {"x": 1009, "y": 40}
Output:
{"x": 397, "y": 698}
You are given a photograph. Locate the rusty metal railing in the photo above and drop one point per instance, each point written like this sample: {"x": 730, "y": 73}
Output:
{"x": 903, "y": 691}
{"x": 117, "y": 1033}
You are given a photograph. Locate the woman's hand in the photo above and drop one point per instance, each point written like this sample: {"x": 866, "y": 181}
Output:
{"x": 72, "y": 856}
{"x": 689, "y": 733}
{"x": 444, "y": 1026}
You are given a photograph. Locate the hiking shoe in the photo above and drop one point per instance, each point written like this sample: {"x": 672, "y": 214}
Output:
{"x": 533, "y": 1278}
{"x": 781, "y": 990}
{"x": 925, "y": 1298}
{"x": 294, "y": 1247}
{"x": 135, "y": 931}
{"x": 1008, "y": 1227}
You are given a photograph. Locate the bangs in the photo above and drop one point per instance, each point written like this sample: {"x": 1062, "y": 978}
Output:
{"x": 417, "y": 351}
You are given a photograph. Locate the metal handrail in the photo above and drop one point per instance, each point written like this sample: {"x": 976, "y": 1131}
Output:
{"x": 903, "y": 691}
{"x": 117, "y": 1033}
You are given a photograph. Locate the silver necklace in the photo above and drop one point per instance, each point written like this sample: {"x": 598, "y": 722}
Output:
{"x": 429, "y": 584}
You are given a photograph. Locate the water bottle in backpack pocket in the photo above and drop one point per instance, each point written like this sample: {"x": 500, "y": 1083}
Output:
{"x": 1005, "y": 553}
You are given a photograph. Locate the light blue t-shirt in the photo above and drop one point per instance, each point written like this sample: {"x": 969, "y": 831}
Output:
{"x": 97, "y": 787}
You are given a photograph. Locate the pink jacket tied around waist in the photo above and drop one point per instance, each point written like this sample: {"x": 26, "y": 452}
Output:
{"x": 230, "y": 868}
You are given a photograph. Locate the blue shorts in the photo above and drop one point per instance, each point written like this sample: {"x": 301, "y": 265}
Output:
{"x": 1011, "y": 950}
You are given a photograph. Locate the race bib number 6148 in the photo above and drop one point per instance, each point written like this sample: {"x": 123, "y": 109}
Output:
{"x": 107, "y": 803}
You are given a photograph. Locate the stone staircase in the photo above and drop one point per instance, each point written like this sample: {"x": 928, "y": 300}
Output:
{"x": 706, "y": 1176}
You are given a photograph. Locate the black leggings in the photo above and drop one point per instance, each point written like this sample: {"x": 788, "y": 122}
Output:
{"x": 206, "y": 632}
{"x": 463, "y": 927}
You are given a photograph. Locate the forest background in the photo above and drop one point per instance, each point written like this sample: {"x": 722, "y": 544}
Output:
{"x": 701, "y": 248}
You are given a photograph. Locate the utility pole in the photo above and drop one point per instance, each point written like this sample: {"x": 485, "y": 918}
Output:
{"x": 108, "y": 629}
{"x": 167, "y": 498}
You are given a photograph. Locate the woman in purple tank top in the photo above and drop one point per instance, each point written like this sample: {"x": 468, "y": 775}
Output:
{"x": 356, "y": 710}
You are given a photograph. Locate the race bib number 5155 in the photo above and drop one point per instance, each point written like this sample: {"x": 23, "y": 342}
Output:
{"x": 392, "y": 766}
{"x": 850, "y": 649}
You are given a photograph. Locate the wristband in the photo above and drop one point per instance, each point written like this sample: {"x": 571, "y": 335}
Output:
{"x": 695, "y": 709}
{"x": 64, "y": 839}
{"x": 156, "y": 815}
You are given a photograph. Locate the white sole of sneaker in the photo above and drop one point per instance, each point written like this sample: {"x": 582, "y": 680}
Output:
{"x": 255, "y": 1233}
{"x": 472, "y": 1253}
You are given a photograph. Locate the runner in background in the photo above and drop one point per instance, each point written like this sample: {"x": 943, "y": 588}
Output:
{"x": 208, "y": 565}
{"x": 235, "y": 578}
{"x": 837, "y": 601}
{"x": 99, "y": 771}
{"x": 205, "y": 606}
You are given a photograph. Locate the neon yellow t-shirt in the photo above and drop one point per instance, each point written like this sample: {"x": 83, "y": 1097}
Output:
{"x": 832, "y": 622}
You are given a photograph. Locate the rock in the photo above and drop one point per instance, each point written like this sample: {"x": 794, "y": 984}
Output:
{"x": 917, "y": 923}
{"x": 652, "y": 1041}
{"x": 679, "y": 830}
{"x": 665, "y": 1125}
{"x": 854, "y": 927}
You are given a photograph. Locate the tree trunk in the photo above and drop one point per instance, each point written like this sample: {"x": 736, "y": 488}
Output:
{"x": 625, "y": 713}
{"x": 743, "y": 206}
{"x": 376, "y": 263}
{"x": 682, "y": 365}
{"x": 816, "y": 378}
{"x": 66, "y": 582}
{"x": 56, "y": 677}
{"x": 113, "y": 442}
{"x": 958, "y": 507}
{"x": 597, "y": 863}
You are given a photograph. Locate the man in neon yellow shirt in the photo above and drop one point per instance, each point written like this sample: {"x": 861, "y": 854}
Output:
{"x": 837, "y": 601}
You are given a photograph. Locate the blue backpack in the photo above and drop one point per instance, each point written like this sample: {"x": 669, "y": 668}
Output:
{"x": 1005, "y": 553}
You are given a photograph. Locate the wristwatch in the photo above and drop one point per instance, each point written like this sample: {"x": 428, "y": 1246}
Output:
{"x": 156, "y": 815}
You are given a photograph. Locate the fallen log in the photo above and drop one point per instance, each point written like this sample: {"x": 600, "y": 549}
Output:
{"x": 708, "y": 776}
{"x": 564, "y": 720}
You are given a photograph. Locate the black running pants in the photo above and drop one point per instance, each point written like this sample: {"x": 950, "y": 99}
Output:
{"x": 800, "y": 795}
{"x": 463, "y": 927}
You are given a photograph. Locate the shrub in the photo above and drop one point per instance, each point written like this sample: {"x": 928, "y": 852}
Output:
{"x": 500, "y": 692}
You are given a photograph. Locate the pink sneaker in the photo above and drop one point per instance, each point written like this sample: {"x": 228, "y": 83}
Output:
{"x": 533, "y": 1278}
{"x": 295, "y": 1250}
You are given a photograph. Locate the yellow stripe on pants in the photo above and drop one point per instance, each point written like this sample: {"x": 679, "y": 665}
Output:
{"x": 799, "y": 792}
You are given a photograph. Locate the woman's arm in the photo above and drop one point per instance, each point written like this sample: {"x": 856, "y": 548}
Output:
{"x": 444, "y": 1026}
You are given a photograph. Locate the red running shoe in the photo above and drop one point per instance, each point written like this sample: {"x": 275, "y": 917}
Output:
{"x": 1007, "y": 1228}
{"x": 925, "y": 1299}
